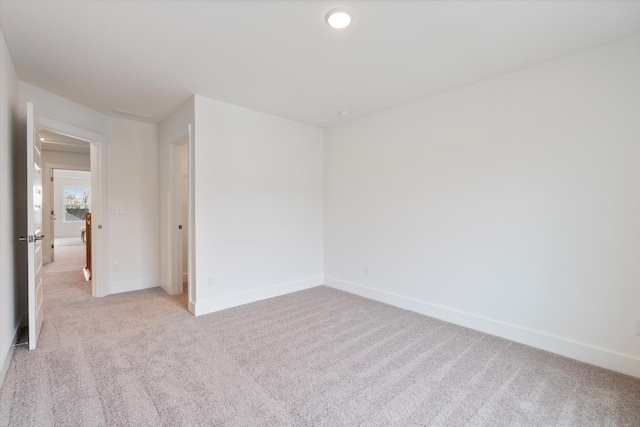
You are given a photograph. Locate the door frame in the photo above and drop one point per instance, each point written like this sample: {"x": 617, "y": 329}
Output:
{"x": 98, "y": 196}
{"x": 183, "y": 136}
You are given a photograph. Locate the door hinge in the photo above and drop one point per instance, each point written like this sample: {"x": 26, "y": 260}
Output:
{"x": 51, "y": 179}
{"x": 179, "y": 227}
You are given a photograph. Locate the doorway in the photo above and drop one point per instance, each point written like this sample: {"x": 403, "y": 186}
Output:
{"x": 184, "y": 207}
{"x": 181, "y": 201}
{"x": 66, "y": 189}
{"x": 70, "y": 202}
{"x": 76, "y": 149}
{"x": 40, "y": 131}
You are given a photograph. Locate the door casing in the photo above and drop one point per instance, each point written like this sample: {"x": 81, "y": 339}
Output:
{"x": 97, "y": 141}
{"x": 183, "y": 136}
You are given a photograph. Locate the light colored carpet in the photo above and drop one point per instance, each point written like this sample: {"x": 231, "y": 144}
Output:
{"x": 67, "y": 241}
{"x": 69, "y": 259}
{"x": 314, "y": 358}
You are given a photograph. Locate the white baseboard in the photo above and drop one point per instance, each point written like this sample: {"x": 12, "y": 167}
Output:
{"x": 217, "y": 304}
{"x": 7, "y": 351}
{"x": 134, "y": 285}
{"x": 579, "y": 351}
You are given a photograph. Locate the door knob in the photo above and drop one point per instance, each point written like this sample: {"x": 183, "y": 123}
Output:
{"x": 38, "y": 237}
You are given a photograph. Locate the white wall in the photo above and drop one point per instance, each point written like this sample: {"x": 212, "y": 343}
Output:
{"x": 11, "y": 297}
{"x": 76, "y": 161}
{"x": 509, "y": 206}
{"x": 134, "y": 238}
{"x": 259, "y": 205}
{"x": 64, "y": 179}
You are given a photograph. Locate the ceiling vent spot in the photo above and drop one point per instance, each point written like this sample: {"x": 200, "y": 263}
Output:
{"x": 130, "y": 115}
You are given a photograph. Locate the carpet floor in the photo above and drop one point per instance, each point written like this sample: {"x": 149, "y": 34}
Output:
{"x": 67, "y": 241}
{"x": 319, "y": 357}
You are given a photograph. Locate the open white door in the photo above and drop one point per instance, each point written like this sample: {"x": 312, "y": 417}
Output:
{"x": 34, "y": 227}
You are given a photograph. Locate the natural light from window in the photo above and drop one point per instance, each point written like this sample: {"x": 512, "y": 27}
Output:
{"x": 77, "y": 202}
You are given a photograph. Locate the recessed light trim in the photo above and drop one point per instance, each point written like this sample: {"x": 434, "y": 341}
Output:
{"x": 344, "y": 113}
{"x": 338, "y": 18}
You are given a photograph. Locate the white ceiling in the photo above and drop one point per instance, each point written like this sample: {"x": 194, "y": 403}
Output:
{"x": 280, "y": 57}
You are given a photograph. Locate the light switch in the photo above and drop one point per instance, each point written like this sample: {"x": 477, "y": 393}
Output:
{"x": 118, "y": 210}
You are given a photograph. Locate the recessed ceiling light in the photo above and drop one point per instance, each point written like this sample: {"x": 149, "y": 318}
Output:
{"x": 338, "y": 18}
{"x": 344, "y": 113}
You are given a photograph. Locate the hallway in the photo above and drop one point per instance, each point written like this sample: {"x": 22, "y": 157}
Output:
{"x": 72, "y": 314}
{"x": 65, "y": 271}
{"x": 55, "y": 381}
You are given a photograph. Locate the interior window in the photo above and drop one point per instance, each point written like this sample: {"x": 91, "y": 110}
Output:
{"x": 77, "y": 202}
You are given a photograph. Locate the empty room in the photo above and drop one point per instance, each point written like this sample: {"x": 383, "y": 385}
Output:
{"x": 320, "y": 213}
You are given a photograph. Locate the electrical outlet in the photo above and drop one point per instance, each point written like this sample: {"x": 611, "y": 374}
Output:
{"x": 210, "y": 281}
{"x": 367, "y": 271}
{"x": 115, "y": 266}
